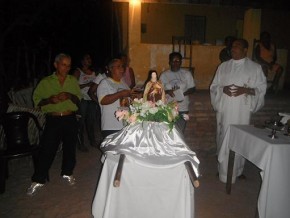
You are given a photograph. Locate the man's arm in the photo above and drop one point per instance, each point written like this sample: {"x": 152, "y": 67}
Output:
{"x": 92, "y": 90}
{"x": 189, "y": 91}
{"x": 45, "y": 101}
{"x": 111, "y": 98}
{"x": 86, "y": 85}
{"x": 54, "y": 99}
{"x": 170, "y": 92}
{"x": 63, "y": 96}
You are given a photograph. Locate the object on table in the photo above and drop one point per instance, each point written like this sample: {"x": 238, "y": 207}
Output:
{"x": 285, "y": 117}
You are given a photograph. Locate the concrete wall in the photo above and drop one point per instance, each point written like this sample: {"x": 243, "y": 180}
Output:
{"x": 150, "y": 50}
{"x": 155, "y": 56}
{"x": 220, "y": 21}
{"x": 145, "y": 56}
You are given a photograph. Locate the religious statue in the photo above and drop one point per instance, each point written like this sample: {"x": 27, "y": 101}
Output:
{"x": 154, "y": 90}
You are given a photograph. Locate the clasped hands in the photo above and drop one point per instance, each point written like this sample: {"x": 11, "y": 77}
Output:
{"x": 54, "y": 99}
{"x": 234, "y": 90}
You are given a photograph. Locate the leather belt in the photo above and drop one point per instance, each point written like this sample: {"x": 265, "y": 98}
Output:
{"x": 61, "y": 114}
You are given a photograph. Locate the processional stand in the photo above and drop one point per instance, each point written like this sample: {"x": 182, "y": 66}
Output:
{"x": 188, "y": 166}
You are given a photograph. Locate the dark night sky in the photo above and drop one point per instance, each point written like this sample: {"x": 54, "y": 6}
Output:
{"x": 31, "y": 30}
{"x": 72, "y": 26}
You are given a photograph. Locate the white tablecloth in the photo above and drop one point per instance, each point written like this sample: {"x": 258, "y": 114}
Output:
{"x": 272, "y": 156}
{"x": 146, "y": 191}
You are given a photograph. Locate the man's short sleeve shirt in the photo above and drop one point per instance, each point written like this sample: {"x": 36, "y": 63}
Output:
{"x": 181, "y": 79}
{"x": 49, "y": 86}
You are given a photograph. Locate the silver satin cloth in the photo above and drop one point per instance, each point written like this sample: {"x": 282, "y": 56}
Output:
{"x": 151, "y": 143}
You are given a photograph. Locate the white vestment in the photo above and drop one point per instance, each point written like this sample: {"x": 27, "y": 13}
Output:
{"x": 236, "y": 110}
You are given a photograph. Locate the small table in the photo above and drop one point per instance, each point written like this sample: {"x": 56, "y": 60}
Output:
{"x": 145, "y": 191}
{"x": 272, "y": 156}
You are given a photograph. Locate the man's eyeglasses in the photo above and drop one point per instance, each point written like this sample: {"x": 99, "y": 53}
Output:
{"x": 176, "y": 61}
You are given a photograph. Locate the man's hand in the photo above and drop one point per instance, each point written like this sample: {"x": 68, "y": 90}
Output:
{"x": 170, "y": 92}
{"x": 234, "y": 90}
{"x": 53, "y": 99}
{"x": 136, "y": 93}
{"x": 239, "y": 90}
{"x": 228, "y": 90}
{"x": 63, "y": 96}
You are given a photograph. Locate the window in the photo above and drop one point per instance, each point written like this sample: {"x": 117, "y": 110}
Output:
{"x": 194, "y": 27}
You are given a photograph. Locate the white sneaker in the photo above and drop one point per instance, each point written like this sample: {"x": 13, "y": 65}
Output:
{"x": 69, "y": 179}
{"x": 34, "y": 188}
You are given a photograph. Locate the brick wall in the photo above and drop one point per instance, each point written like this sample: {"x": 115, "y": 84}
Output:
{"x": 201, "y": 128}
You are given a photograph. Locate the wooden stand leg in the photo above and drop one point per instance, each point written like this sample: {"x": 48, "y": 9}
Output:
{"x": 191, "y": 174}
{"x": 118, "y": 174}
{"x": 230, "y": 171}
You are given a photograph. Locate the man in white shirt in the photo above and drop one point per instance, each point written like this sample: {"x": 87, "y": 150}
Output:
{"x": 236, "y": 92}
{"x": 110, "y": 92}
{"x": 178, "y": 84}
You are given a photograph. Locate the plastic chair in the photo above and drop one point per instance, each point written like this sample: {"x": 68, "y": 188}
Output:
{"x": 16, "y": 126}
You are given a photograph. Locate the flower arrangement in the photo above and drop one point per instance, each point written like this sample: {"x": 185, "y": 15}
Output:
{"x": 140, "y": 111}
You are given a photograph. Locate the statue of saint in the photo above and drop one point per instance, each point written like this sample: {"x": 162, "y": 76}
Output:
{"x": 154, "y": 90}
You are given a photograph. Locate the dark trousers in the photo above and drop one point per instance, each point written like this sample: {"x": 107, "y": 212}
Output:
{"x": 88, "y": 111}
{"x": 181, "y": 122}
{"x": 57, "y": 129}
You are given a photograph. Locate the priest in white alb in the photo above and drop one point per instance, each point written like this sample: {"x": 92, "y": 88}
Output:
{"x": 237, "y": 91}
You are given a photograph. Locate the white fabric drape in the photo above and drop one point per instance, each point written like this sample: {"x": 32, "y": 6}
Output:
{"x": 152, "y": 143}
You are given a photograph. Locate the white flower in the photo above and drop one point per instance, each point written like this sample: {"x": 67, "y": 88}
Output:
{"x": 140, "y": 111}
{"x": 153, "y": 110}
{"x": 160, "y": 103}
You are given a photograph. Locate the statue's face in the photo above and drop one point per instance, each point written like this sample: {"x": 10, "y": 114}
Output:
{"x": 154, "y": 77}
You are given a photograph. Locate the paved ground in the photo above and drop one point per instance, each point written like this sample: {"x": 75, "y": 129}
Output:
{"x": 57, "y": 200}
